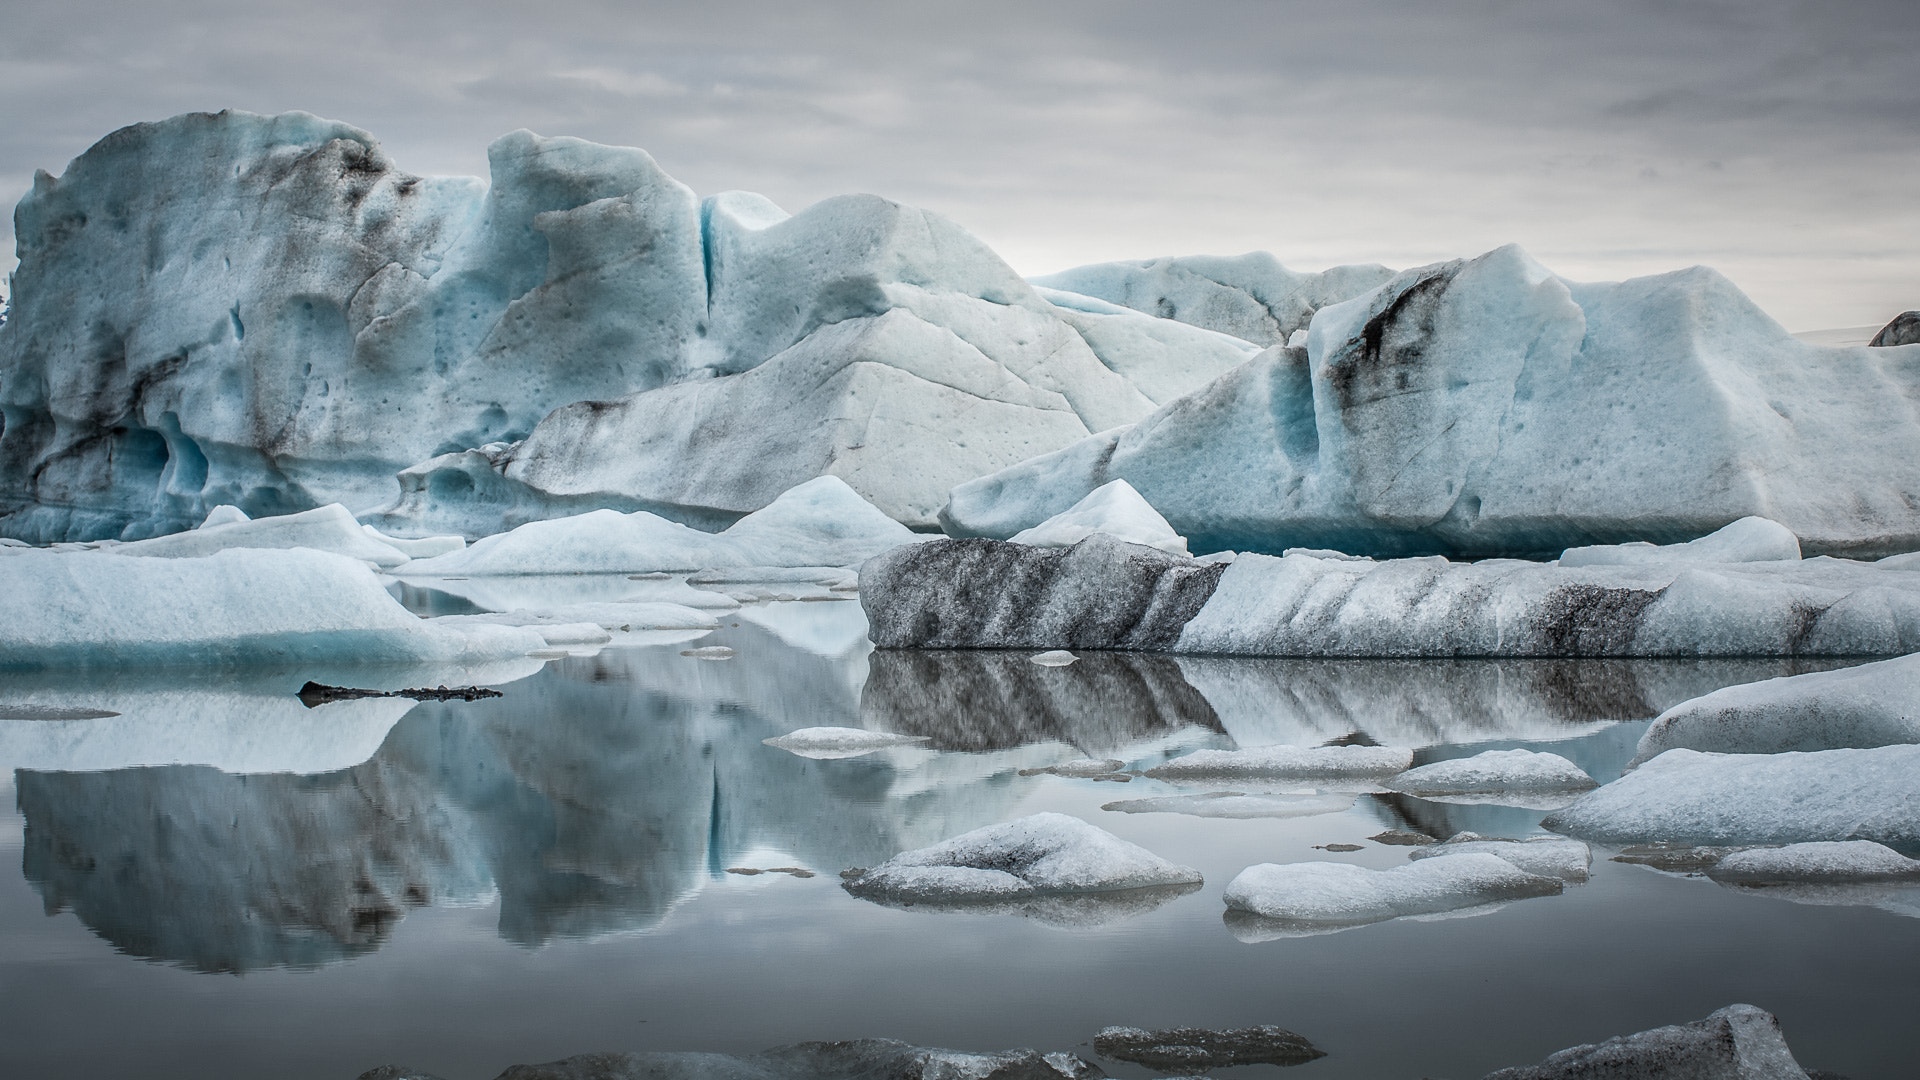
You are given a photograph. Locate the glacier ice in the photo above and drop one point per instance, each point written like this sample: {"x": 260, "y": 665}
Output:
{"x": 238, "y": 606}
{"x": 1875, "y": 704}
{"x": 1319, "y": 895}
{"x": 1689, "y": 797}
{"x": 1819, "y": 862}
{"x": 1114, "y": 509}
{"x": 828, "y": 743}
{"x": 1568, "y": 860}
{"x": 1751, "y": 539}
{"x": 1043, "y": 854}
{"x": 1495, "y": 775}
{"x": 1739, "y": 1042}
{"x": 1323, "y": 763}
{"x": 1163, "y": 358}
{"x": 1485, "y": 407}
{"x": 324, "y": 528}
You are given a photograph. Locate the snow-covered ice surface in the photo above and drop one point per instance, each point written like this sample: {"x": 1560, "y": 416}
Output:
{"x": 1875, "y": 704}
{"x": 1568, "y": 860}
{"x": 1041, "y": 855}
{"x": 234, "y": 607}
{"x": 1819, "y": 862}
{"x": 1114, "y": 509}
{"x": 1685, "y": 796}
{"x": 832, "y": 743}
{"x": 1327, "y": 763}
{"x": 1506, "y": 777}
{"x": 1317, "y": 896}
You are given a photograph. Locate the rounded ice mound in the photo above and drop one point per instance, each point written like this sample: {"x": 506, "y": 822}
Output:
{"x": 1341, "y": 894}
{"x": 1114, "y": 508}
{"x": 1042, "y": 855}
{"x": 1857, "y": 707}
{"x": 1833, "y": 861}
{"x": 1287, "y": 763}
{"x": 827, "y": 743}
{"x": 324, "y": 528}
{"x": 1493, "y": 773}
{"x": 1750, "y": 539}
{"x": 1548, "y": 856}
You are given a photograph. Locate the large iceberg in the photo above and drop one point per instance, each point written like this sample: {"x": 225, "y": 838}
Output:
{"x": 1875, "y": 704}
{"x": 1487, "y": 407}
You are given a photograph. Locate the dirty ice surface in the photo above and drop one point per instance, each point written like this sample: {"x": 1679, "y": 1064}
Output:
{"x": 466, "y": 885}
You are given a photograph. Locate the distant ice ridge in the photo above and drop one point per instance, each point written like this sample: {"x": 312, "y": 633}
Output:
{"x": 98, "y": 609}
{"x": 1486, "y": 407}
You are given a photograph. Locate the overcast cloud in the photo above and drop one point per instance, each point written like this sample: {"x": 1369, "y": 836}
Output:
{"x": 1778, "y": 142}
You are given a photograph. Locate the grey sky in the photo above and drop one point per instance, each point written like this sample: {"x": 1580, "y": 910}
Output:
{"x": 1778, "y": 142}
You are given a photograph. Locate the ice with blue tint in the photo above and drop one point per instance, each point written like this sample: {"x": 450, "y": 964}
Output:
{"x": 1489, "y": 407}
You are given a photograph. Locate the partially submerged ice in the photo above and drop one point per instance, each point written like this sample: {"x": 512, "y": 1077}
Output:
{"x": 1493, "y": 774}
{"x": 98, "y": 609}
{"x": 1832, "y": 861}
{"x": 1042, "y": 855}
{"x": 1689, "y": 797}
{"x": 1876, "y": 704}
{"x": 1316, "y": 896}
{"x": 1486, "y": 407}
{"x": 1548, "y": 856}
{"x": 1739, "y": 1042}
{"x": 827, "y": 743}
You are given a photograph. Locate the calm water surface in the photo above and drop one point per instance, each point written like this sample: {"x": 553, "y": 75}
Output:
{"x": 220, "y": 882}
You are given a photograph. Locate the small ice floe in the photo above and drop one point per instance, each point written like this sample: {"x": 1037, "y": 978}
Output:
{"x": 1738, "y": 1042}
{"x": 1274, "y": 900}
{"x": 1234, "y": 804}
{"x": 1085, "y": 769}
{"x": 1200, "y": 1049}
{"x": 709, "y": 652}
{"x": 1402, "y": 838}
{"x": 1833, "y": 861}
{"x": 1054, "y": 658}
{"x": 1043, "y": 855}
{"x": 1687, "y": 797}
{"x": 1548, "y": 856}
{"x": 1520, "y": 778}
{"x": 1288, "y": 763}
{"x": 833, "y": 743}
{"x": 1857, "y": 707}
{"x": 1687, "y": 859}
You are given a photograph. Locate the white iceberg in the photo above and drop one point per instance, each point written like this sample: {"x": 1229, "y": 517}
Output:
{"x": 1045, "y": 854}
{"x": 1114, "y": 509}
{"x": 1829, "y": 862}
{"x": 1688, "y": 797}
{"x": 1327, "y": 894}
{"x": 1876, "y": 704}
{"x": 1502, "y": 777}
{"x": 1234, "y": 804}
{"x": 1751, "y": 539}
{"x": 1548, "y": 856}
{"x": 830, "y": 743}
{"x": 237, "y": 606}
{"x": 1371, "y": 763}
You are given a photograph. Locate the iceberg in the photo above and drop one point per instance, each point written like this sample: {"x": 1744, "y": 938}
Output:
{"x": 1114, "y": 509}
{"x": 1875, "y": 704}
{"x": 1234, "y": 804}
{"x": 1819, "y": 863}
{"x": 234, "y": 607}
{"x": 1548, "y": 856}
{"x": 1739, "y": 1042}
{"x": 1326, "y": 763}
{"x": 1487, "y": 408}
{"x": 1315, "y": 896}
{"x": 1042, "y": 855}
{"x": 324, "y": 528}
{"x": 1163, "y": 358}
{"x": 1689, "y": 797}
{"x": 1498, "y": 776}
{"x": 1751, "y": 539}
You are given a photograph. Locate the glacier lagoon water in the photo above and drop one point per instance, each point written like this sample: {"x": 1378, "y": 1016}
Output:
{"x": 220, "y": 883}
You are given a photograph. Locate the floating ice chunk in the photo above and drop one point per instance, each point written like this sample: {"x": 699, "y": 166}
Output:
{"x": 1738, "y": 1042}
{"x": 1234, "y": 804}
{"x": 1750, "y": 539}
{"x": 236, "y": 606}
{"x": 324, "y": 528}
{"x": 1053, "y": 658}
{"x": 1199, "y": 1049}
{"x": 1548, "y": 856}
{"x": 1327, "y": 894}
{"x": 1828, "y": 862}
{"x": 620, "y": 616}
{"x": 1499, "y": 777}
{"x": 1875, "y": 704}
{"x": 830, "y": 743}
{"x": 1687, "y": 797}
{"x": 1288, "y": 763}
{"x": 1080, "y": 768}
{"x": 425, "y": 547}
{"x": 1041, "y": 855}
{"x": 1114, "y": 509}
{"x": 224, "y": 514}
{"x": 709, "y": 652}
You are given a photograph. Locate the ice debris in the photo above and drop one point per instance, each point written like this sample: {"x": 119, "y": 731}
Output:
{"x": 1820, "y": 862}
{"x": 1318, "y": 895}
{"x": 1199, "y": 1049}
{"x": 1497, "y": 776}
{"x": 1751, "y": 539}
{"x": 1033, "y": 856}
{"x": 1875, "y": 704}
{"x": 1548, "y": 856}
{"x": 1689, "y": 797}
{"x": 1234, "y": 804}
{"x": 1330, "y": 763}
{"x": 1081, "y": 768}
{"x": 829, "y": 743}
{"x": 1053, "y": 658}
{"x": 1739, "y": 1042}
{"x": 1113, "y": 508}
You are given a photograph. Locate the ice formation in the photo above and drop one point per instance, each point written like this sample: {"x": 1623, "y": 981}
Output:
{"x": 1287, "y": 763}
{"x": 827, "y": 743}
{"x": 238, "y": 606}
{"x": 1904, "y": 329}
{"x": 1114, "y": 509}
{"x": 1687, "y": 797}
{"x": 1876, "y": 704}
{"x": 1820, "y": 862}
{"x": 1034, "y": 856}
{"x": 1751, "y": 539}
{"x": 840, "y": 1060}
{"x": 1327, "y": 894}
{"x": 1234, "y": 804}
{"x": 819, "y": 523}
{"x": 1194, "y": 1050}
{"x": 1568, "y": 860}
{"x": 1494, "y": 773}
{"x": 324, "y": 528}
{"x": 1739, "y": 1042}
{"x": 1486, "y": 407}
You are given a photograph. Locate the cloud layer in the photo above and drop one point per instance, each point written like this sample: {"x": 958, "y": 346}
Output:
{"x": 1775, "y": 141}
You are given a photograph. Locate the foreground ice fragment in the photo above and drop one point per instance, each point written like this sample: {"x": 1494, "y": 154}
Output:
{"x": 1113, "y": 508}
{"x": 1568, "y": 860}
{"x": 828, "y": 743}
{"x": 1874, "y": 704}
{"x": 1045, "y": 854}
{"x": 1495, "y": 775}
{"x": 1199, "y": 1049}
{"x": 1288, "y": 763}
{"x": 1688, "y": 797}
{"x": 1328, "y": 894}
{"x": 1739, "y": 1042}
{"x": 1831, "y": 861}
